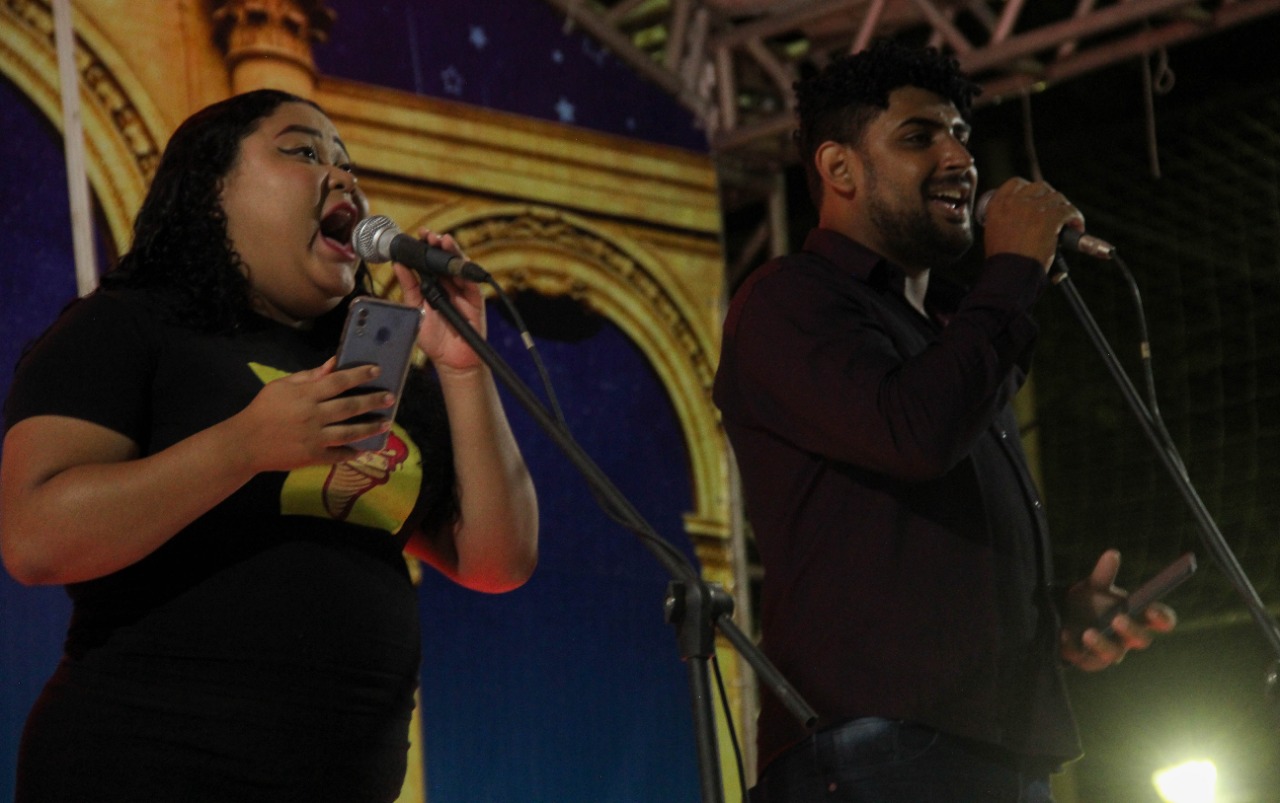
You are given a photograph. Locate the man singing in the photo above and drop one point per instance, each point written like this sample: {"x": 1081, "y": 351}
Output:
{"x": 908, "y": 589}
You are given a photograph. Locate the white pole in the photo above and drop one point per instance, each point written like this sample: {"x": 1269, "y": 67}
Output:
{"x": 73, "y": 145}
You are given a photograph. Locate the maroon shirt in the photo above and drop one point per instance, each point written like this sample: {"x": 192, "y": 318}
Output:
{"x": 906, "y": 562}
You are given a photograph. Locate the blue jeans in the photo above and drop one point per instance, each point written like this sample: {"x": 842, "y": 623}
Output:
{"x": 875, "y": 760}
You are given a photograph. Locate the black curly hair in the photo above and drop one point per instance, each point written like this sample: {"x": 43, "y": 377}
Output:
{"x": 837, "y": 103}
{"x": 180, "y": 242}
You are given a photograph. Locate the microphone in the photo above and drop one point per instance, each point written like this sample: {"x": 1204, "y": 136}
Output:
{"x": 379, "y": 239}
{"x": 1068, "y": 238}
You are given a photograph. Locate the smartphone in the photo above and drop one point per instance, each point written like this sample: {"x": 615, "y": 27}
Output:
{"x": 1169, "y": 578}
{"x": 382, "y": 333}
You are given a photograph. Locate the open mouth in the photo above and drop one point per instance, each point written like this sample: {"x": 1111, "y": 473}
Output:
{"x": 953, "y": 199}
{"x": 338, "y": 224}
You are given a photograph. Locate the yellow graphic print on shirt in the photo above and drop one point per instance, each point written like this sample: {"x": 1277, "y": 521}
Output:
{"x": 373, "y": 489}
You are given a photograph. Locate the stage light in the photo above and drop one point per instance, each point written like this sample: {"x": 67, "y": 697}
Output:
{"x": 1191, "y": 782}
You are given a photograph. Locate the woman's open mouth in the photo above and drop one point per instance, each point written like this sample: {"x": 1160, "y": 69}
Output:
{"x": 336, "y": 227}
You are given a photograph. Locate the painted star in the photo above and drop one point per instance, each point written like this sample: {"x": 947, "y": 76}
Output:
{"x": 564, "y": 110}
{"x": 452, "y": 80}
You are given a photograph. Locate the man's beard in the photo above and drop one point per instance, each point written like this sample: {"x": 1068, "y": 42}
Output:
{"x": 913, "y": 236}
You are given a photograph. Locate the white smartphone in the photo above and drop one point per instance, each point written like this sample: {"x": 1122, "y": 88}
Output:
{"x": 382, "y": 333}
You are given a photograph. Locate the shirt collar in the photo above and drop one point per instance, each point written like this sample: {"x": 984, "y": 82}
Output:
{"x": 878, "y": 272}
{"x": 854, "y": 257}
{"x": 849, "y": 254}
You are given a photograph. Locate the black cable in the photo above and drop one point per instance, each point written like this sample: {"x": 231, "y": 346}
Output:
{"x": 532, "y": 348}
{"x": 728, "y": 718}
{"x": 622, "y": 518}
{"x": 1144, "y": 352}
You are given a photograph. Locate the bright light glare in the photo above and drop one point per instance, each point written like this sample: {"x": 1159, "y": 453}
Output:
{"x": 1192, "y": 782}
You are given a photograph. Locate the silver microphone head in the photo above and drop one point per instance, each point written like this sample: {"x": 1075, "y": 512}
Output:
{"x": 372, "y": 238}
{"x": 979, "y": 208}
{"x": 1071, "y": 238}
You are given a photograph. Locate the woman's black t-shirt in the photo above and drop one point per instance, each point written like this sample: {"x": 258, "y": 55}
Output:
{"x": 267, "y": 651}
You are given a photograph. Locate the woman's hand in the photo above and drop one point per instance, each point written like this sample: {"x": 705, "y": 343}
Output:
{"x": 304, "y": 419}
{"x": 437, "y": 339}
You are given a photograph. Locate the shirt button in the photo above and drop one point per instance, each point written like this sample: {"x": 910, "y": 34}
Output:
{"x": 1036, "y": 504}
{"x": 1003, "y": 435}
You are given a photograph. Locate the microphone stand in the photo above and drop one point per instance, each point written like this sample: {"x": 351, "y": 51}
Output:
{"x": 695, "y": 608}
{"x": 1210, "y": 535}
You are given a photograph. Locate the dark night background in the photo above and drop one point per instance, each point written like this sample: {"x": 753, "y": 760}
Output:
{"x": 1203, "y": 242}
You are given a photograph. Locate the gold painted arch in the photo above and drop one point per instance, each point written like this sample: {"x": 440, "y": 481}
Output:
{"x": 122, "y": 148}
{"x": 557, "y": 253}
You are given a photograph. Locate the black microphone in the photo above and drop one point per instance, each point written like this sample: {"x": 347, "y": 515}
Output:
{"x": 1068, "y": 238}
{"x": 379, "y": 239}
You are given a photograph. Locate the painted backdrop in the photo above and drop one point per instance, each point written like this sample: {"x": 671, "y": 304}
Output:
{"x": 570, "y": 688}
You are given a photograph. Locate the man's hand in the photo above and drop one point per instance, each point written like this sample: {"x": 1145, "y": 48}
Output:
{"x": 1025, "y": 217}
{"x": 1082, "y": 643}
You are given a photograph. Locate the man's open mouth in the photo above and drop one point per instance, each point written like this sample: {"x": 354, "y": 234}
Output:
{"x": 955, "y": 199}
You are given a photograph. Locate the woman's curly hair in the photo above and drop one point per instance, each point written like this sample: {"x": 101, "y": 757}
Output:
{"x": 180, "y": 242}
{"x": 839, "y": 102}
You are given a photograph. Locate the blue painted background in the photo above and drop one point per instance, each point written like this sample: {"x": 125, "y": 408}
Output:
{"x": 513, "y": 55}
{"x": 569, "y": 689}
{"x": 36, "y": 281}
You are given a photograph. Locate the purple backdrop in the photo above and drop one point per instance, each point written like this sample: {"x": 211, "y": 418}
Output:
{"x": 513, "y": 56}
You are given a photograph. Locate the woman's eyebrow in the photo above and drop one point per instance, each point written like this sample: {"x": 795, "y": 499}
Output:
{"x": 315, "y": 132}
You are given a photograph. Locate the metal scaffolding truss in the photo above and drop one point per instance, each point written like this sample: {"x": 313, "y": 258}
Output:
{"x": 733, "y": 62}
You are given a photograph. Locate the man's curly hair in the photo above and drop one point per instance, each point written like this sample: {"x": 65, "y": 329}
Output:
{"x": 839, "y": 102}
{"x": 180, "y": 242}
